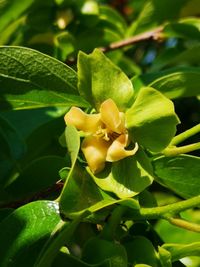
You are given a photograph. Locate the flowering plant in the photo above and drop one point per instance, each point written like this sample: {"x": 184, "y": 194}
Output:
{"x": 124, "y": 126}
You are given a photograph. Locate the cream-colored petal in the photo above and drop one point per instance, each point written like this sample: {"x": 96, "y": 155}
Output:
{"x": 111, "y": 116}
{"x": 82, "y": 121}
{"x": 117, "y": 149}
{"x": 95, "y": 151}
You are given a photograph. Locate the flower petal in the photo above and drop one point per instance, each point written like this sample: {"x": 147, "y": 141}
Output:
{"x": 95, "y": 151}
{"x": 82, "y": 121}
{"x": 110, "y": 115}
{"x": 117, "y": 149}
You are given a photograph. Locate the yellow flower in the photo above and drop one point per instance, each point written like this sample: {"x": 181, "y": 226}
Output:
{"x": 106, "y": 135}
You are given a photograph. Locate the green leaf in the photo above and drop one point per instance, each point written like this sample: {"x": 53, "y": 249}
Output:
{"x": 98, "y": 250}
{"x": 12, "y": 148}
{"x": 38, "y": 176}
{"x": 145, "y": 20}
{"x": 11, "y": 143}
{"x": 173, "y": 83}
{"x": 25, "y": 231}
{"x": 100, "y": 79}
{"x": 151, "y": 120}
{"x": 112, "y": 19}
{"x": 61, "y": 235}
{"x": 81, "y": 193}
{"x": 165, "y": 257}
{"x": 11, "y": 10}
{"x": 30, "y": 79}
{"x": 182, "y": 30}
{"x": 72, "y": 142}
{"x": 135, "y": 250}
{"x": 179, "y": 251}
{"x": 168, "y": 9}
{"x": 180, "y": 174}
{"x": 127, "y": 177}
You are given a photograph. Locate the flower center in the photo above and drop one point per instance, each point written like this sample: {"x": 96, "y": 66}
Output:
{"x": 106, "y": 134}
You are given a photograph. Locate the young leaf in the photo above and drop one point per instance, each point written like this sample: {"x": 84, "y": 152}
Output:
{"x": 173, "y": 83}
{"x": 151, "y": 120}
{"x": 30, "y": 79}
{"x": 81, "y": 193}
{"x": 128, "y": 177}
{"x": 25, "y": 231}
{"x": 11, "y": 10}
{"x": 100, "y": 79}
{"x": 180, "y": 174}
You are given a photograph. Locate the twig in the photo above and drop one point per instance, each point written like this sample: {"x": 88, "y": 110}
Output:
{"x": 187, "y": 134}
{"x": 184, "y": 224}
{"x": 174, "y": 151}
{"x": 37, "y": 196}
{"x": 153, "y": 34}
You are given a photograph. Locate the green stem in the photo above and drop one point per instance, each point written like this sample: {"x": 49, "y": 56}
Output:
{"x": 185, "y": 135}
{"x": 171, "y": 209}
{"x": 174, "y": 151}
{"x": 184, "y": 224}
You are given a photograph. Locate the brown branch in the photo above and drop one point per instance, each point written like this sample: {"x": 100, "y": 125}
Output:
{"x": 56, "y": 188}
{"x": 154, "y": 34}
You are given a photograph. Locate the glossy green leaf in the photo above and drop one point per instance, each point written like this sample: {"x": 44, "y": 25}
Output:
{"x": 11, "y": 10}
{"x": 30, "y": 79}
{"x": 100, "y": 79}
{"x": 127, "y": 177}
{"x": 81, "y": 193}
{"x": 173, "y": 83}
{"x": 24, "y": 232}
{"x": 179, "y": 251}
{"x": 151, "y": 120}
{"x": 38, "y": 176}
{"x": 141, "y": 251}
{"x": 180, "y": 174}
{"x": 99, "y": 250}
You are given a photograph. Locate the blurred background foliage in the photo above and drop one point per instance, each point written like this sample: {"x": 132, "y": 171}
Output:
{"x": 61, "y": 28}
